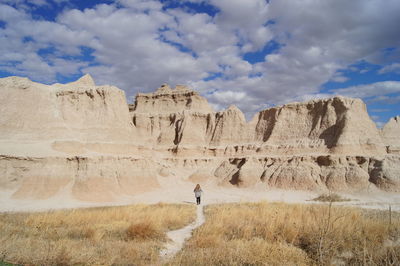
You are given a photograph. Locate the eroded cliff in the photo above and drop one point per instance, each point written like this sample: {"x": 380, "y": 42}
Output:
{"x": 84, "y": 140}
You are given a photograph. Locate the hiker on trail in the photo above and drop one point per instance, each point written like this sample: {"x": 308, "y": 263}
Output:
{"x": 197, "y": 193}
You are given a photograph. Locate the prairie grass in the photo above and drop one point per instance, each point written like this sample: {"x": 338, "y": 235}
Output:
{"x": 110, "y": 235}
{"x": 283, "y": 234}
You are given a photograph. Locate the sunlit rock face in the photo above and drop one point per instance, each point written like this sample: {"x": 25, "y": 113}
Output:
{"x": 84, "y": 141}
{"x": 79, "y": 111}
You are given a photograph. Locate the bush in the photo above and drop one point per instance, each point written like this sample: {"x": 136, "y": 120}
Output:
{"x": 331, "y": 197}
{"x": 143, "y": 230}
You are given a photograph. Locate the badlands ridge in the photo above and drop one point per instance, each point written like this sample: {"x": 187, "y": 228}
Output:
{"x": 86, "y": 141}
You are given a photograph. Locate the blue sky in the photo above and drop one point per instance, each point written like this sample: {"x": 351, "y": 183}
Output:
{"x": 254, "y": 53}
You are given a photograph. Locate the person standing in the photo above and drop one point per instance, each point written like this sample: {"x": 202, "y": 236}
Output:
{"x": 197, "y": 193}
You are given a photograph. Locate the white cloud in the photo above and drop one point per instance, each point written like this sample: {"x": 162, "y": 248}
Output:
{"x": 137, "y": 45}
{"x": 247, "y": 19}
{"x": 134, "y": 57}
{"x": 395, "y": 67}
{"x": 238, "y": 13}
{"x": 229, "y": 97}
{"x": 10, "y": 14}
{"x": 371, "y": 90}
{"x": 22, "y": 3}
{"x": 319, "y": 38}
{"x": 199, "y": 33}
{"x": 385, "y": 99}
{"x": 141, "y": 5}
{"x": 23, "y": 38}
{"x": 339, "y": 77}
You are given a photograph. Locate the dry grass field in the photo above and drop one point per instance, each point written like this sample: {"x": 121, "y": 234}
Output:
{"x": 233, "y": 234}
{"x": 111, "y": 235}
{"x": 282, "y": 234}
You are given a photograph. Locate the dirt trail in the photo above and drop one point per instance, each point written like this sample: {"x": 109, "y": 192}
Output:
{"x": 178, "y": 237}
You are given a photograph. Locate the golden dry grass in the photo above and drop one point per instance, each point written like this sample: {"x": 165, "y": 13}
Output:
{"x": 112, "y": 235}
{"x": 282, "y": 234}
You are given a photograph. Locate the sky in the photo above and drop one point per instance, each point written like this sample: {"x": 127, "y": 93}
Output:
{"x": 254, "y": 54}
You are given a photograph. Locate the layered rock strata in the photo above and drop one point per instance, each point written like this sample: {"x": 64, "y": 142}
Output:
{"x": 79, "y": 111}
{"x": 338, "y": 125}
{"x": 84, "y": 140}
{"x": 69, "y": 138}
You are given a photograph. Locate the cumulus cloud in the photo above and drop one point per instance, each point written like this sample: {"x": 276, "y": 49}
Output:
{"x": 24, "y": 3}
{"x": 24, "y": 39}
{"x": 138, "y": 45}
{"x": 371, "y": 90}
{"x": 133, "y": 57}
{"x": 386, "y": 99}
{"x": 141, "y": 5}
{"x": 247, "y": 18}
{"x": 395, "y": 67}
{"x": 319, "y": 38}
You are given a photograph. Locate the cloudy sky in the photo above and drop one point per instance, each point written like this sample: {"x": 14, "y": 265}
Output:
{"x": 251, "y": 53}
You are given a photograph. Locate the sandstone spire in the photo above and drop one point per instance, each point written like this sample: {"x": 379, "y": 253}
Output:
{"x": 391, "y": 134}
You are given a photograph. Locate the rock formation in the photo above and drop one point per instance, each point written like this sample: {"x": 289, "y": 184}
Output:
{"x": 167, "y": 100}
{"x": 391, "y": 135}
{"x": 77, "y": 112}
{"x": 74, "y": 136}
{"x": 85, "y": 141}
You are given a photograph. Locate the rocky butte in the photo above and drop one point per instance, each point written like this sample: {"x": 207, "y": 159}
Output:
{"x": 84, "y": 141}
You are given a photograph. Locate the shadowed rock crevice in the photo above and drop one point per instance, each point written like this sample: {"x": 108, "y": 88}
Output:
{"x": 179, "y": 124}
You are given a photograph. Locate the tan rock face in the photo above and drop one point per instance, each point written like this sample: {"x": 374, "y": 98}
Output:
{"x": 337, "y": 125}
{"x": 83, "y": 140}
{"x": 86, "y": 178}
{"x": 166, "y": 100}
{"x": 78, "y": 111}
{"x": 230, "y": 128}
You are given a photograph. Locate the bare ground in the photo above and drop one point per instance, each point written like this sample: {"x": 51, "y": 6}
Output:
{"x": 179, "y": 191}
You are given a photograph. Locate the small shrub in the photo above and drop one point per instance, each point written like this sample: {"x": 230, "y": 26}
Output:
{"x": 143, "y": 230}
{"x": 331, "y": 197}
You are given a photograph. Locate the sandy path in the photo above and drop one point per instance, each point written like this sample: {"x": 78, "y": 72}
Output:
{"x": 178, "y": 237}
